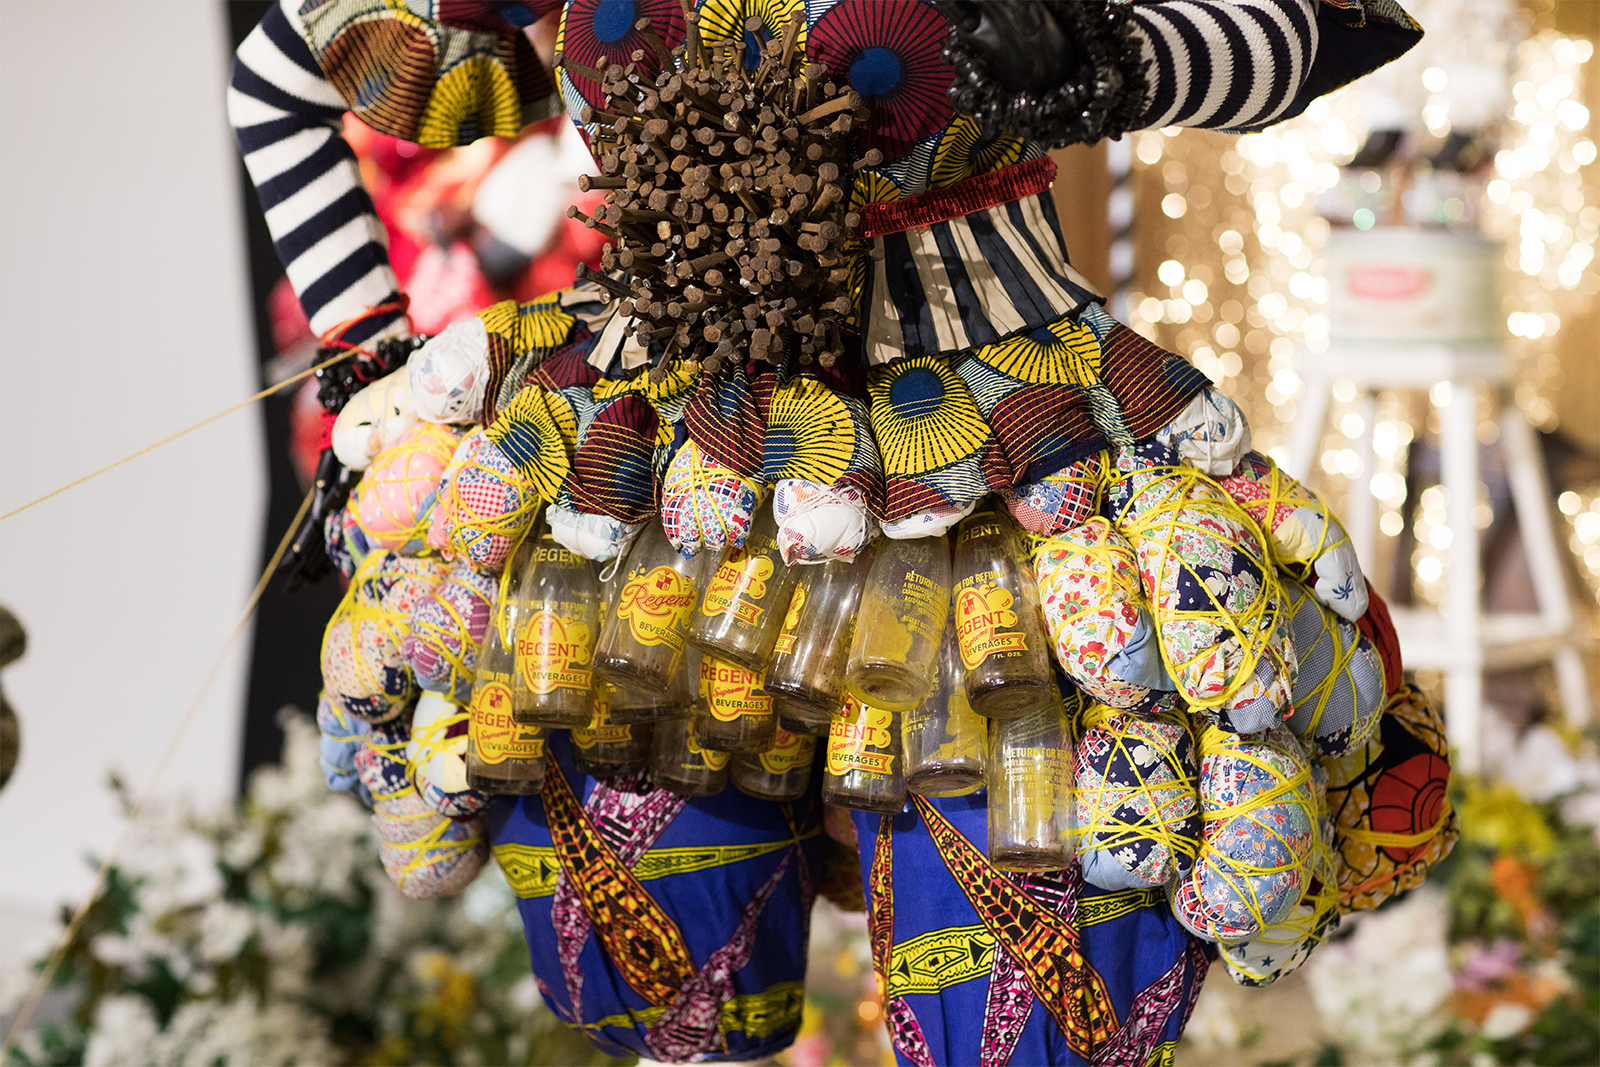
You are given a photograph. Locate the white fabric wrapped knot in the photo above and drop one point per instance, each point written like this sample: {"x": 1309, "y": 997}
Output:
{"x": 592, "y": 536}
{"x": 819, "y": 523}
{"x": 449, "y": 374}
{"x": 931, "y": 523}
{"x": 374, "y": 419}
{"x": 1212, "y": 433}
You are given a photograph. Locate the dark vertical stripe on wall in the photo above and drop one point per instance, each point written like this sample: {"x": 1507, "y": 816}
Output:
{"x": 286, "y": 640}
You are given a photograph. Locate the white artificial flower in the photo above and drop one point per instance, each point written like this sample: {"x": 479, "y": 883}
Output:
{"x": 224, "y": 928}
{"x": 124, "y": 1033}
{"x": 1506, "y": 1019}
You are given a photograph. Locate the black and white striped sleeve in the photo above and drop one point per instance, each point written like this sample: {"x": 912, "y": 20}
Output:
{"x": 1223, "y": 64}
{"x": 287, "y": 118}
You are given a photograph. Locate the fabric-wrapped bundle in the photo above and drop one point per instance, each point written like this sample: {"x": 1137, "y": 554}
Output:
{"x": 592, "y": 536}
{"x": 346, "y": 545}
{"x": 446, "y": 630}
{"x": 1097, "y": 616}
{"x": 1061, "y": 500}
{"x": 436, "y": 758}
{"x": 484, "y": 505}
{"x": 821, "y": 523}
{"x": 342, "y": 737}
{"x": 705, "y": 506}
{"x": 424, "y": 853}
{"x": 364, "y": 671}
{"x": 1214, "y": 595}
{"x": 1138, "y": 799}
{"x": 393, "y": 504}
{"x": 1392, "y": 817}
{"x": 1307, "y": 538}
{"x": 1260, "y": 811}
{"x": 1210, "y": 433}
{"x": 1282, "y": 947}
{"x": 1341, "y": 688}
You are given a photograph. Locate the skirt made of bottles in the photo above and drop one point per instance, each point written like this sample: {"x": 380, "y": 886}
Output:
{"x": 663, "y": 927}
{"x": 980, "y": 966}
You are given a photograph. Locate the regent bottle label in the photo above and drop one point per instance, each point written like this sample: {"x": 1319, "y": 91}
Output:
{"x": 709, "y": 756}
{"x": 601, "y": 730}
{"x": 788, "y": 752}
{"x": 976, "y": 527}
{"x": 656, "y": 606}
{"x": 730, "y": 691}
{"x": 791, "y": 621}
{"x": 983, "y": 616}
{"x": 554, "y": 652}
{"x": 495, "y": 736}
{"x": 739, "y": 583}
{"x": 859, "y": 740}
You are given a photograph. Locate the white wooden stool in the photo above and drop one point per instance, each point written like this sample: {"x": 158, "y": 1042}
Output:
{"x": 1465, "y": 642}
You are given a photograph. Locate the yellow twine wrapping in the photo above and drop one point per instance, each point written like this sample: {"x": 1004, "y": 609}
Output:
{"x": 428, "y": 848}
{"x": 470, "y": 532}
{"x": 1239, "y": 875}
{"x": 1291, "y": 546}
{"x": 1345, "y": 641}
{"x": 391, "y": 523}
{"x": 431, "y": 738}
{"x": 363, "y": 627}
{"x": 1169, "y": 806}
{"x": 1164, "y": 501}
{"x": 700, "y": 473}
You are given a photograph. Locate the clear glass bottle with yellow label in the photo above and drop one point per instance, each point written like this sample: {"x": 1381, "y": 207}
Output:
{"x": 642, "y": 641}
{"x": 813, "y": 649}
{"x": 503, "y": 756}
{"x": 1030, "y": 780}
{"x": 865, "y": 767}
{"x": 903, "y": 611}
{"x": 558, "y": 602}
{"x": 1004, "y": 651}
{"x": 944, "y": 738}
{"x": 782, "y": 772}
{"x": 733, "y": 714}
{"x": 795, "y": 725}
{"x": 741, "y": 608}
{"x": 680, "y": 763}
{"x": 606, "y": 748}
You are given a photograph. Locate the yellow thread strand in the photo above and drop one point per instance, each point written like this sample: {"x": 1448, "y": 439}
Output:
{"x": 168, "y": 440}
{"x": 1381, "y": 839}
{"x": 1160, "y": 495}
{"x": 20, "y": 1024}
{"x": 431, "y": 735}
{"x": 1165, "y": 802}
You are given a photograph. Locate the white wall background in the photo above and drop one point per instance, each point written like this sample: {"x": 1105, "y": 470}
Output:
{"x": 124, "y": 311}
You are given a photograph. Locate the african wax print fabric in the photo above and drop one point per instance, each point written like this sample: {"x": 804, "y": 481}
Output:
{"x": 660, "y": 926}
{"x": 983, "y": 967}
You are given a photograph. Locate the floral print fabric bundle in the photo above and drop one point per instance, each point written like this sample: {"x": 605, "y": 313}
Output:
{"x": 364, "y": 671}
{"x": 1137, "y": 797}
{"x": 1261, "y": 811}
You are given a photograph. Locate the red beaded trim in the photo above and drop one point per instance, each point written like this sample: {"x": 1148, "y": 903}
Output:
{"x": 975, "y": 194}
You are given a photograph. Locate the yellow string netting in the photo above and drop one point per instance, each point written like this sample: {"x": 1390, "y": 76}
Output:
{"x": 393, "y": 503}
{"x": 485, "y": 507}
{"x": 1178, "y": 520}
{"x": 1138, "y": 798}
{"x": 1260, "y": 811}
{"x": 363, "y": 669}
{"x": 1388, "y": 800}
{"x": 1270, "y": 497}
{"x": 1340, "y": 692}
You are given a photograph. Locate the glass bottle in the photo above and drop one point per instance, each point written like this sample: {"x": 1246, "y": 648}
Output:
{"x": 1003, "y": 646}
{"x": 1030, "y": 780}
{"x": 865, "y": 768}
{"x": 782, "y": 772}
{"x": 813, "y": 649}
{"x": 502, "y": 755}
{"x": 606, "y": 748}
{"x": 630, "y": 705}
{"x": 944, "y": 738}
{"x": 641, "y": 643}
{"x": 733, "y": 714}
{"x": 681, "y": 764}
{"x": 559, "y": 611}
{"x": 796, "y": 725}
{"x": 901, "y": 622}
{"x": 741, "y": 608}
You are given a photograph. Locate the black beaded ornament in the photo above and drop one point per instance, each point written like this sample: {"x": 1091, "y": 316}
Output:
{"x": 996, "y": 46}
